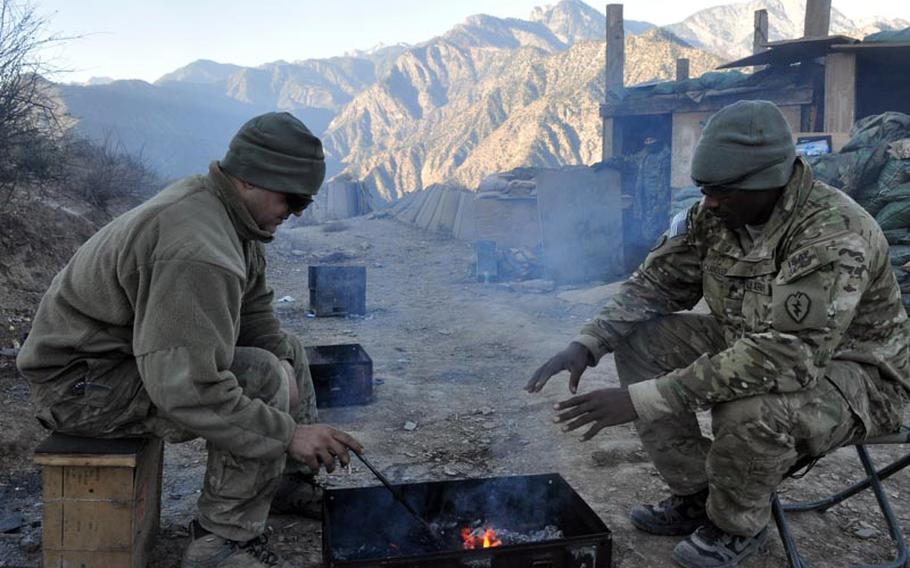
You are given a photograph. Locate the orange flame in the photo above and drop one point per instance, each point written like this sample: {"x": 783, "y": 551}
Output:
{"x": 487, "y": 539}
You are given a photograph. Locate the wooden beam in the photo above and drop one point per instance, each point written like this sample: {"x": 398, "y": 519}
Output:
{"x": 86, "y": 460}
{"x": 682, "y": 69}
{"x": 712, "y": 101}
{"x": 818, "y": 18}
{"x": 840, "y": 92}
{"x": 760, "y": 34}
{"x": 616, "y": 49}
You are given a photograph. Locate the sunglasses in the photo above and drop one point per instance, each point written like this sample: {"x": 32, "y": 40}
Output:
{"x": 717, "y": 191}
{"x": 297, "y": 202}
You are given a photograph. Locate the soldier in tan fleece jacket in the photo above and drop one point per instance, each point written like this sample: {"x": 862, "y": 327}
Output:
{"x": 162, "y": 324}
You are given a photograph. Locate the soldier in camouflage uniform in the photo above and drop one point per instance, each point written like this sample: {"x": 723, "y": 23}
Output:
{"x": 651, "y": 196}
{"x": 162, "y": 325}
{"x": 805, "y": 348}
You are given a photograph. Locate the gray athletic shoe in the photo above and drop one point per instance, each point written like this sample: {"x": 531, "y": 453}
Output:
{"x": 674, "y": 516}
{"x": 710, "y": 547}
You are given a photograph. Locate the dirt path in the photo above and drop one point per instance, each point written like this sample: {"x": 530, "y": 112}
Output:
{"x": 451, "y": 356}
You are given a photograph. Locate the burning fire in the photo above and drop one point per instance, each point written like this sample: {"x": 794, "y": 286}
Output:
{"x": 479, "y": 538}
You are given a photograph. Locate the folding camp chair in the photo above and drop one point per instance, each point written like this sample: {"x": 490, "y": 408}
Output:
{"x": 874, "y": 479}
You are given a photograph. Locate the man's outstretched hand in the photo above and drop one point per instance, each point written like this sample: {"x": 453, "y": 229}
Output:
{"x": 575, "y": 358}
{"x": 317, "y": 445}
{"x": 603, "y": 407}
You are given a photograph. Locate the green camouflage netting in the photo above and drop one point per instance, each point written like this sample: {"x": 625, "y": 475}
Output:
{"x": 889, "y": 36}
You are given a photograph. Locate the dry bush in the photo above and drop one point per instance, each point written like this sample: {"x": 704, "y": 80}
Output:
{"x": 104, "y": 173}
{"x": 28, "y": 120}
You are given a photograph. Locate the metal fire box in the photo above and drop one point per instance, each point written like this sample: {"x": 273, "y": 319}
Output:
{"x": 338, "y": 290}
{"x": 366, "y": 527}
{"x": 342, "y": 374}
{"x": 101, "y": 500}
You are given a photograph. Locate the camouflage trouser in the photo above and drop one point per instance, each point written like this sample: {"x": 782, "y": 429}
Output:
{"x": 756, "y": 440}
{"x": 237, "y": 492}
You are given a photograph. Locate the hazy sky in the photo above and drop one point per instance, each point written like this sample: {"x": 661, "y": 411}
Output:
{"x": 144, "y": 40}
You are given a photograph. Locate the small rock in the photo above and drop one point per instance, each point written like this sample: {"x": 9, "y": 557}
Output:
{"x": 486, "y": 410}
{"x": 489, "y": 425}
{"x": 866, "y": 533}
{"x": 410, "y": 426}
{"x": 602, "y": 458}
{"x": 449, "y": 471}
{"x": 285, "y": 299}
{"x": 298, "y": 252}
{"x": 11, "y": 523}
{"x": 30, "y": 543}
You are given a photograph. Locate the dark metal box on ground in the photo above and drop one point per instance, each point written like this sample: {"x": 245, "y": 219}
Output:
{"x": 366, "y": 527}
{"x": 338, "y": 290}
{"x": 342, "y": 374}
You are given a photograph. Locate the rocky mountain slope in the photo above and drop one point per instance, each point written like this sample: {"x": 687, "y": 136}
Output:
{"x": 490, "y": 94}
{"x": 186, "y": 118}
{"x": 727, "y": 30}
{"x": 451, "y": 113}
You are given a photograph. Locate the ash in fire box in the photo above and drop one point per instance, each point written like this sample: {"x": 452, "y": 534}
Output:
{"x": 805, "y": 348}
{"x": 162, "y": 325}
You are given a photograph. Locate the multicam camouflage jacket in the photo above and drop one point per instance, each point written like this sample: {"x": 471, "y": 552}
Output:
{"x": 816, "y": 286}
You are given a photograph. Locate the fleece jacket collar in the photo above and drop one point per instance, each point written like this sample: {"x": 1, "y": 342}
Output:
{"x": 243, "y": 222}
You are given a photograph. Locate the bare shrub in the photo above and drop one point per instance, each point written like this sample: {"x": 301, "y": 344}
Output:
{"x": 28, "y": 119}
{"x": 104, "y": 173}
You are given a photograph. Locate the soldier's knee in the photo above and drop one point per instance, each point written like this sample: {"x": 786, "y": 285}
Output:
{"x": 751, "y": 424}
{"x": 261, "y": 375}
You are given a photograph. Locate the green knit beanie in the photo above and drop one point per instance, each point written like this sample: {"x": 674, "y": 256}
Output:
{"x": 275, "y": 151}
{"x": 745, "y": 145}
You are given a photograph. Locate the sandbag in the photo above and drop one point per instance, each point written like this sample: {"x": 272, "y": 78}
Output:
{"x": 898, "y": 236}
{"x": 874, "y": 201}
{"x": 889, "y": 36}
{"x": 829, "y": 168}
{"x": 895, "y": 215}
{"x": 900, "y": 255}
{"x": 894, "y": 173}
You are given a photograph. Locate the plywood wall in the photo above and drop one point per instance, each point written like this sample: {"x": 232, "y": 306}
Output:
{"x": 687, "y": 127}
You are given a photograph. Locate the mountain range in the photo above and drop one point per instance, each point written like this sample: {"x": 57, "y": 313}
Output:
{"x": 489, "y": 95}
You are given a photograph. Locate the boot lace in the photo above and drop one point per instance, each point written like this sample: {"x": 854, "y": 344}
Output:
{"x": 258, "y": 549}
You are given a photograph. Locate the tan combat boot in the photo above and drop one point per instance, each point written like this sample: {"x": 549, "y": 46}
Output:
{"x": 212, "y": 551}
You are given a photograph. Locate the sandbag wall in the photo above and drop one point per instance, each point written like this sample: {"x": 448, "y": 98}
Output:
{"x": 439, "y": 209}
{"x": 503, "y": 209}
{"x": 873, "y": 167}
{"x": 339, "y": 199}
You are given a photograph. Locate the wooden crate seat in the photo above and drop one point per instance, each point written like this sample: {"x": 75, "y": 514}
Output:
{"x": 101, "y": 500}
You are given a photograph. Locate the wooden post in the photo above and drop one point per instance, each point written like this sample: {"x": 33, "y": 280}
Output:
{"x": 682, "y": 69}
{"x": 840, "y": 91}
{"x": 818, "y": 18}
{"x": 760, "y": 35}
{"x": 616, "y": 49}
